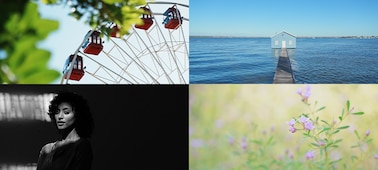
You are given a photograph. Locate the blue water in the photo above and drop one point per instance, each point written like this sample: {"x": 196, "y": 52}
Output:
{"x": 314, "y": 61}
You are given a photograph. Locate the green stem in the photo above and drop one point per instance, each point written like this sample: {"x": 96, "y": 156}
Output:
{"x": 326, "y": 157}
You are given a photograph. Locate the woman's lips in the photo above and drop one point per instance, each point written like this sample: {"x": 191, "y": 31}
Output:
{"x": 60, "y": 123}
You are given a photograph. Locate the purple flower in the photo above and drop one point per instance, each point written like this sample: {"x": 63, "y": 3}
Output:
{"x": 367, "y": 133}
{"x": 244, "y": 143}
{"x": 299, "y": 91}
{"x": 196, "y": 143}
{"x": 292, "y": 129}
{"x": 375, "y": 156}
{"x": 231, "y": 140}
{"x": 190, "y": 130}
{"x": 303, "y": 119}
{"x": 292, "y": 122}
{"x": 307, "y": 92}
{"x": 310, "y": 155}
{"x": 308, "y": 125}
{"x": 321, "y": 143}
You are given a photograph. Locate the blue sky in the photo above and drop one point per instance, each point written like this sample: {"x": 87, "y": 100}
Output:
{"x": 299, "y": 17}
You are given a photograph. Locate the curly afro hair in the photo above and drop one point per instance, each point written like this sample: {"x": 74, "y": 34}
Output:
{"x": 84, "y": 123}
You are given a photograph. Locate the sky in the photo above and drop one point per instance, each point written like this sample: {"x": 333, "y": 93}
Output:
{"x": 298, "y": 17}
{"x": 64, "y": 41}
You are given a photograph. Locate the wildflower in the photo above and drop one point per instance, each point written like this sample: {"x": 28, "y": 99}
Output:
{"x": 307, "y": 93}
{"x": 292, "y": 122}
{"x": 367, "y": 133}
{"x": 303, "y": 119}
{"x": 292, "y": 129}
{"x": 244, "y": 143}
{"x": 308, "y": 125}
{"x": 291, "y": 125}
{"x": 310, "y": 155}
{"x": 231, "y": 140}
{"x": 299, "y": 91}
{"x": 196, "y": 143}
{"x": 321, "y": 143}
{"x": 375, "y": 156}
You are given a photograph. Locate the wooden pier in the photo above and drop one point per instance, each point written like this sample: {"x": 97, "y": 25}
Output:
{"x": 284, "y": 73}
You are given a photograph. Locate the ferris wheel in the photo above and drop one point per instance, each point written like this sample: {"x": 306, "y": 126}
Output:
{"x": 155, "y": 52}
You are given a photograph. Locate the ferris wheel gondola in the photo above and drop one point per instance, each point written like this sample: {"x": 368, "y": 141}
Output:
{"x": 155, "y": 52}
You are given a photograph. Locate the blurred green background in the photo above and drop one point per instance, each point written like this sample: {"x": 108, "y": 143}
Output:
{"x": 222, "y": 116}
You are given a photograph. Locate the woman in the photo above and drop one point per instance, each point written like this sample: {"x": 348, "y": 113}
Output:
{"x": 71, "y": 116}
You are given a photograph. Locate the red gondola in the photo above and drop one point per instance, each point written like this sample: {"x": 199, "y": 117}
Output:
{"x": 173, "y": 18}
{"x": 146, "y": 18}
{"x": 93, "y": 45}
{"x": 77, "y": 70}
{"x": 115, "y": 32}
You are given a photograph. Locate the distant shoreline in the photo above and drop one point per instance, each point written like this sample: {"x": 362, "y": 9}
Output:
{"x": 351, "y": 37}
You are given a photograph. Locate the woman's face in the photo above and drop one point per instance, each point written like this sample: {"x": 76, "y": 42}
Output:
{"x": 64, "y": 116}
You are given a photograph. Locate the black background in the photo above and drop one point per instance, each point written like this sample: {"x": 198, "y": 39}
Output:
{"x": 136, "y": 126}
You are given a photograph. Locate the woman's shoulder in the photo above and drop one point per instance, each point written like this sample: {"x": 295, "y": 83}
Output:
{"x": 47, "y": 148}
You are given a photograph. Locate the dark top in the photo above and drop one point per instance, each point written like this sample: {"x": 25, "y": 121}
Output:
{"x": 71, "y": 156}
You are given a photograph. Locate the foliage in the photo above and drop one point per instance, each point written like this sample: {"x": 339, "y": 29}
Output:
{"x": 101, "y": 14}
{"x": 21, "y": 29}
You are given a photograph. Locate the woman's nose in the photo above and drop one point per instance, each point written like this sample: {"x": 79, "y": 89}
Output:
{"x": 60, "y": 115}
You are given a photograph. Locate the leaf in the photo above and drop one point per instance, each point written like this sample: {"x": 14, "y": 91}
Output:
{"x": 356, "y": 133}
{"x": 338, "y": 140}
{"x": 343, "y": 127}
{"x": 315, "y": 144}
{"x": 348, "y": 104}
{"x": 269, "y": 140}
{"x": 325, "y": 122}
{"x": 322, "y": 108}
{"x": 354, "y": 157}
{"x": 333, "y": 162}
{"x": 340, "y": 118}
{"x": 358, "y": 113}
{"x": 257, "y": 142}
{"x": 336, "y": 131}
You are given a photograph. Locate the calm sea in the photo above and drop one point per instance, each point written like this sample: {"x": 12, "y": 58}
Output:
{"x": 314, "y": 61}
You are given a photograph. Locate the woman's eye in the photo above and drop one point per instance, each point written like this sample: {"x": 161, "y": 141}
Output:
{"x": 66, "y": 113}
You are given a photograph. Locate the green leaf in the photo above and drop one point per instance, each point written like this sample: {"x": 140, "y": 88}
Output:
{"x": 333, "y": 162}
{"x": 348, "y": 104}
{"x": 257, "y": 142}
{"x": 343, "y": 127}
{"x": 315, "y": 144}
{"x": 356, "y": 133}
{"x": 354, "y": 157}
{"x": 325, "y": 122}
{"x": 322, "y": 108}
{"x": 340, "y": 118}
{"x": 336, "y": 131}
{"x": 25, "y": 61}
{"x": 269, "y": 140}
{"x": 358, "y": 113}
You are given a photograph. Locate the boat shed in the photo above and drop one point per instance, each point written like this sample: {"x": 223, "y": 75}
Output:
{"x": 284, "y": 40}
